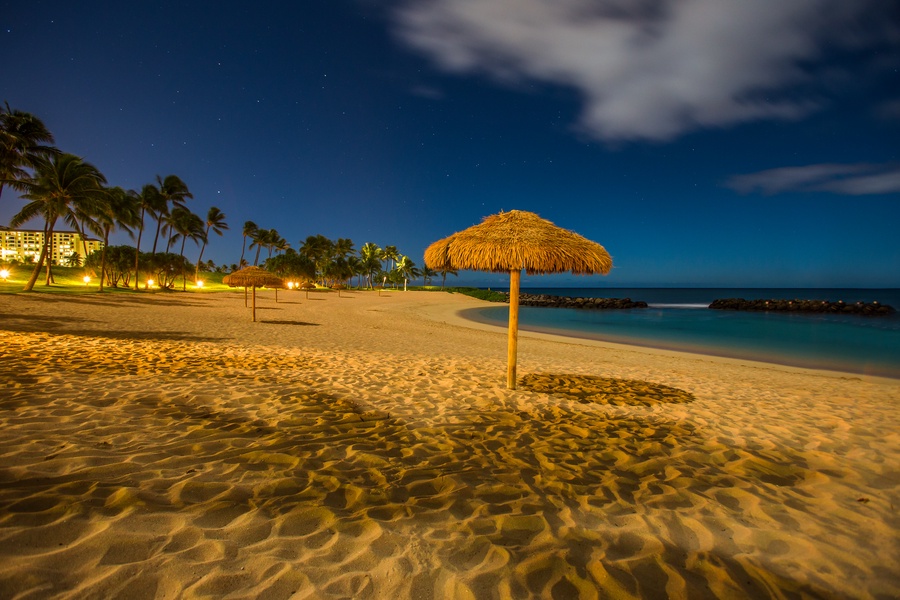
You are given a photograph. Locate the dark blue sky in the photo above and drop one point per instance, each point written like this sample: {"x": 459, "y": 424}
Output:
{"x": 701, "y": 142}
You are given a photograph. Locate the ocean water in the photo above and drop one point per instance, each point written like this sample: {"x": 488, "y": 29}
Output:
{"x": 678, "y": 319}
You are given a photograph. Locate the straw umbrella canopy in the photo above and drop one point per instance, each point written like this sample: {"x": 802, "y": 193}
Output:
{"x": 512, "y": 241}
{"x": 253, "y": 277}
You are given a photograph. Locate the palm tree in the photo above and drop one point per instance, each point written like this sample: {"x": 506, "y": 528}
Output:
{"x": 276, "y": 242}
{"x": 58, "y": 184}
{"x": 86, "y": 217}
{"x": 152, "y": 202}
{"x": 427, "y": 274}
{"x": 250, "y": 228}
{"x": 124, "y": 210}
{"x": 319, "y": 249}
{"x": 186, "y": 225}
{"x": 173, "y": 191}
{"x": 291, "y": 264}
{"x": 21, "y": 145}
{"x": 215, "y": 220}
{"x": 407, "y": 268}
{"x": 444, "y": 273}
{"x": 260, "y": 238}
{"x": 82, "y": 216}
{"x": 343, "y": 248}
{"x": 356, "y": 268}
{"x": 72, "y": 260}
{"x": 371, "y": 256}
{"x": 338, "y": 269}
{"x": 390, "y": 253}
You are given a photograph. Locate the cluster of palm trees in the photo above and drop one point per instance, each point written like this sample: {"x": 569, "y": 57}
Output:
{"x": 261, "y": 238}
{"x": 60, "y": 186}
{"x": 165, "y": 202}
{"x": 329, "y": 262}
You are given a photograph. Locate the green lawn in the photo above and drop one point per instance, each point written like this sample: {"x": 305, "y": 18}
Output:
{"x": 70, "y": 280}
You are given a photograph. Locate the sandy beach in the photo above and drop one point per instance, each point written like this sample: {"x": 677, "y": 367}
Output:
{"x": 365, "y": 446}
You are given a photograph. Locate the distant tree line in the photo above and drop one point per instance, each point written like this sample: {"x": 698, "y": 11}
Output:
{"x": 58, "y": 186}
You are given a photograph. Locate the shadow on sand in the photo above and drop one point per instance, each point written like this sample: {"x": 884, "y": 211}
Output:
{"x": 605, "y": 390}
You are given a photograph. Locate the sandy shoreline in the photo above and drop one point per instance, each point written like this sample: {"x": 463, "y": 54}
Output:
{"x": 163, "y": 446}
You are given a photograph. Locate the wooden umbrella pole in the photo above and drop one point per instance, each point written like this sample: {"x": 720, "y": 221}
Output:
{"x": 245, "y": 296}
{"x": 254, "y": 303}
{"x": 514, "y": 278}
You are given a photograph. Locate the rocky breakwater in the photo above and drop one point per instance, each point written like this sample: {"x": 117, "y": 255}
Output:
{"x": 549, "y": 301}
{"x": 805, "y": 306}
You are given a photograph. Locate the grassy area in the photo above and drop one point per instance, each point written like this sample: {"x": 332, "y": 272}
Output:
{"x": 70, "y": 280}
{"x": 479, "y": 293}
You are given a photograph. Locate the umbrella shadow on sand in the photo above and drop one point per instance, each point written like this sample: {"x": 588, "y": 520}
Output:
{"x": 589, "y": 389}
{"x": 302, "y": 323}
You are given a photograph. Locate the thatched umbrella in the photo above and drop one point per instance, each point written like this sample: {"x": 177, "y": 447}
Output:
{"x": 253, "y": 277}
{"x": 512, "y": 241}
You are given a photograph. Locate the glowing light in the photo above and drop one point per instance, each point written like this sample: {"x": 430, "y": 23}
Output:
{"x": 149, "y": 283}
{"x": 4, "y": 274}
{"x": 199, "y": 283}
{"x": 290, "y": 285}
{"x": 86, "y": 279}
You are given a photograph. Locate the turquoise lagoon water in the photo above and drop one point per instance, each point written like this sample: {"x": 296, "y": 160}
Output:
{"x": 678, "y": 319}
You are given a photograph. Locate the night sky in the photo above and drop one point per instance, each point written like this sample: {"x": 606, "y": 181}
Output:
{"x": 702, "y": 142}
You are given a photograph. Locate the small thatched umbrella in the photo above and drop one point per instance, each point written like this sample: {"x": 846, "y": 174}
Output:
{"x": 253, "y": 277}
{"x": 512, "y": 241}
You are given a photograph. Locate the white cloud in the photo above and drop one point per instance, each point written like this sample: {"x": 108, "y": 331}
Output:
{"x": 850, "y": 179}
{"x": 650, "y": 69}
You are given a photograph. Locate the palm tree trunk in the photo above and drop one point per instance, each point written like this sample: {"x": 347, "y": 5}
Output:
{"x": 243, "y": 246}
{"x": 83, "y": 242}
{"x": 103, "y": 258}
{"x": 158, "y": 226}
{"x": 199, "y": 260}
{"x": 256, "y": 260}
{"x": 40, "y": 262}
{"x": 183, "y": 279}
{"x": 137, "y": 253}
{"x": 48, "y": 239}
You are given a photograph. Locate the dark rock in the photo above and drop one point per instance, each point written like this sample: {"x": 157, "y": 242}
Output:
{"x": 548, "y": 301}
{"x": 805, "y": 306}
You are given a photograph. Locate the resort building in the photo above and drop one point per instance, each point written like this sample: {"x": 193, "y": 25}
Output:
{"x": 24, "y": 245}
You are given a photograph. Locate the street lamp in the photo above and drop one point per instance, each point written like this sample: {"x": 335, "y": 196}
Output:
{"x": 86, "y": 279}
{"x": 4, "y": 274}
{"x": 199, "y": 283}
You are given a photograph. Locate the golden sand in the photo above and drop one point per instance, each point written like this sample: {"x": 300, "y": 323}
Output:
{"x": 164, "y": 446}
